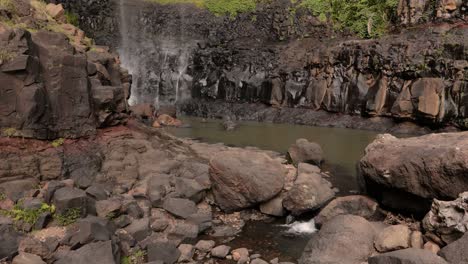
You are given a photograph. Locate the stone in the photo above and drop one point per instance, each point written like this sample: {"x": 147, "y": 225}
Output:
{"x": 98, "y": 252}
{"x": 97, "y": 192}
{"x": 310, "y": 191}
{"x": 241, "y": 255}
{"x": 92, "y": 229}
{"x": 345, "y": 239}
{"x": 220, "y": 251}
{"x": 273, "y": 207}
{"x": 457, "y": 251}
{"x": 179, "y": 207}
{"x": 416, "y": 240}
{"x": 69, "y": 198}
{"x": 159, "y": 225}
{"x": 139, "y": 229}
{"x": 163, "y": 251}
{"x": 353, "y": 205}
{"x": 143, "y": 110}
{"x": 205, "y": 245}
{"x": 190, "y": 189}
{"x": 186, "y": 252}
{"x": 167, "y": 120}
{"x": 305, "y": 151}
{"x": 203, "y": 219}
{"x": 184, "y": 230}
{"x": 9, "y": 242}
{"x": 407, "y": 173}
{"x": 258, "y": 261}
{"x": 34, "y": 246}
{"x": 407, "y": 256}
{"x": 27, "y": 258}
{"x": 393, "y": 238}
{"x": 242, "y": 179}
{"x": 55, "y": 11}
{"x": 448, "y": 219}
{"x": 432, "y": 247}
{"x": 109, "y": 207}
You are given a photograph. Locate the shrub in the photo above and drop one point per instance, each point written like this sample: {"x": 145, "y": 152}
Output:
{"x": 72, "y": 18}
{"x": 7, "y": 5}
{"x": 137, "y": 257}
{"x": 58, "y": 142}
{"x": 9, "y": 132}
{"x": 68, "y": 217}
{"x": 218, "y": 7}
{"x": 30, "y": 216}
{"x": 367, "y": 18}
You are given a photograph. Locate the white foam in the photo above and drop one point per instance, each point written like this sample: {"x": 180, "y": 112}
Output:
{"x": 302, "y": 227}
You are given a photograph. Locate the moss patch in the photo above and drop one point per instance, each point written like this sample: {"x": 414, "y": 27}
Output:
{"x": 218, "y": 7}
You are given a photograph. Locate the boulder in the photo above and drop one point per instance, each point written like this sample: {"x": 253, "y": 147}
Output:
{"x": 432, "y": 247}
{"x": 186, "y": 252}
{"x": 220, "y": 251}
{"x": 273, "y": 207}
{"x": 448, "y": 219}
{"x": 55, "y": 11}
{"x": 393, "y": 238}
{"x": 407, "y": 256}
{"x": 139, "y": 229}
{"x": 9, "y": 242}
{"x": 167, "y": 120}
{"x": 108, "y": 208}
{"x": 345, "y": 239}
{"x": 179, "y": 207}
{"x": 258, "y": 261}
{"x": 163, "y": 251}
{"x": 91, "y": 229}
{"x": 407, "y": 173}
{"x": 190, "y": 189}
{"x": 244, "y": 178}
{"x": 27, "y": 258}
{"x": 205, "y": 245}
{"x": 69, "y": 198}
{"x": 352, "y": 205}
{"x": 310, "y": 191}
{"x": 305, "y": 151}
{"x": 241, "y": 255}
{"x": 456, "y": 252}
{"x": 98, "y": 252}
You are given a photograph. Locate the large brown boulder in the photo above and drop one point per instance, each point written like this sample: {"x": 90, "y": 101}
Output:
{"x": 305, "y": 151}
{"x": 346, "y": 239}
{"x": 245, "y": 178}
{"x": 349, "y": 205}
{"x": 407, "y": 256}
{"x": 310, "y": 190}
{"x": 456, "y": 252}
{"x": 431, "y": 166}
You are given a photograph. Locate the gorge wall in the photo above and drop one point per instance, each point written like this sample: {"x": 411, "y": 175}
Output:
{"x": 281, "y": 55}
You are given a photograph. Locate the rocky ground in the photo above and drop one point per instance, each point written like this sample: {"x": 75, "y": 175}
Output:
{"x": 86, "y": 179}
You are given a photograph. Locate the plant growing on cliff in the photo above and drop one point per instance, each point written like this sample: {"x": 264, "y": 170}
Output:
{"x": 58, "y": 142}
{"x": 68, "y": 217}
{"x": 137, "y": 257}
{"x": 30, "y": 216}
{"x": 7, "y": 5}
{"x": 367, "y": 18}
{"x": 72, "y": 18}
{"x": 9, "y": 131}
{"x": 218, "y": 7}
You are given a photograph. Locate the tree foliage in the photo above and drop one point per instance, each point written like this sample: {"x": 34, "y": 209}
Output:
{"x": 367, "y": 18}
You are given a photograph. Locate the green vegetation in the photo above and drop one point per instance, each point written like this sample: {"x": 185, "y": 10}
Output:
{"x": 218, "y": 7}
{"x": 2, "y": 196}
{"x": 30, "y": 216}
{"x": 7, "y": 5}
{"x": 367, "y": 18}
{"x": 9, "y": 132}
{"x": 72, "y": 18}
{"x": 58, "y": 142}
{"x": 135, "y": 258}
{"x": 68, "y": 217}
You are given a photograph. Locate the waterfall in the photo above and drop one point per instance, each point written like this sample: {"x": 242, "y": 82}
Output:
{"x": 158, "y": 61}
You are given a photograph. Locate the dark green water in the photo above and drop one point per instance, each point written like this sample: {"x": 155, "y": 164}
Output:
{"x": 343, "y": 148}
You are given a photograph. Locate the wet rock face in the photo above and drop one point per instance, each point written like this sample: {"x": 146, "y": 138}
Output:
{"x": 50, "y": 90}
{"x": 432, "y": 166}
